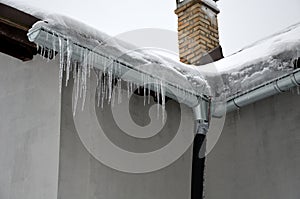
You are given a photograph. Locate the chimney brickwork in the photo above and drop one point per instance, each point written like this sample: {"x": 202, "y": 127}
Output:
{"x": 197, "y": 29}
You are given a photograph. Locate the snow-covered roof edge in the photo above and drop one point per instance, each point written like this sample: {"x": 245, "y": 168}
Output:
{"x": 260, "y": 62}
{"x": 250, "y": 67}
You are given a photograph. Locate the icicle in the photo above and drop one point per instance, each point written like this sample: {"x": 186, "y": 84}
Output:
{"x": 149, "y": 93}
{"x": 61, "y": 62}
{"x": 128, "y": 90}
{"x": 53, "y": 44}
{"x": 113, "y": 98}
{"x": 105, "y": 83}
{"x": 46, "y": 49}
{"x": 89, "y": 63}
{"x": 157, "y": 97}
{"x": 114, "y": 69}
{"x": 84, "y": 78}
{"x": 82, "y": 68}
{"x": 75, "y": 87}
{"x": 69, "y": 56}
{"x": 92, "y": 63}
{"x": 49, "y": 54}
{"x": 106, "y": 87}
{"x": 110, "y": 83}
{"x": 163, "y": 100}
{"x": 239, "y": 113}
{"x": 98, "y": 95}
{"x": 119, "y": 91}
{"x": 135, "y": 87}
{"x": 138, "y": 89}
{"x": 42, "y": 52}
{"x": 102, "y": 95}
{"x": 98, "y": 90}
{"x": 131, "y": 88}
{"x": 81, "y": 81}
{"x": 77, "y": 84}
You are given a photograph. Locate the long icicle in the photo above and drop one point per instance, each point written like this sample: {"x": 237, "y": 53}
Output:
{"x": 163, "y": 100}
{"x": 157, "y": 97}
{"x": 69, "y": 57}
{"x": 84, "y": 77}
{"x": 61, "y": 62}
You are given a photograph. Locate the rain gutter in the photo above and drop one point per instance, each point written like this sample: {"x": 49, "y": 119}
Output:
{"x": 271, "y": 88}
{"x": 201, "y": 104}
{"x": 42, "y": 36}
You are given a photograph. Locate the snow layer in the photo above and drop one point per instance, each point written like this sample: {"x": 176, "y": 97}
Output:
{"x": 170, "y": 70}
{"x": 260, "y": 62}
{"x": 252, "y": 66}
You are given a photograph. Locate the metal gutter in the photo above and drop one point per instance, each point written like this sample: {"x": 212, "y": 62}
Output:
{"x": 279, "y": 85}
{"x": 200, "y": 103}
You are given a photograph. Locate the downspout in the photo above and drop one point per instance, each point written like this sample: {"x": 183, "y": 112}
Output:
{"x": 202, "y": 120}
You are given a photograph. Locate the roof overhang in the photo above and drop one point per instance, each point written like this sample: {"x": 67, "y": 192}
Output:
{"x": 13, "y": 33}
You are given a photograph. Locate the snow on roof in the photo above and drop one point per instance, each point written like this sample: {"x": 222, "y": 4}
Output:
{"x": 260, "y": 62}
{"x": 151, "y": 62}
{"x": 252, "y": 66}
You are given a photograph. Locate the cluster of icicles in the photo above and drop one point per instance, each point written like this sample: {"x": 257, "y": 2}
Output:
{"x": 109, "y": 81}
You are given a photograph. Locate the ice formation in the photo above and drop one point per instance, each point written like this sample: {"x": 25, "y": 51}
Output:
{"x": 82, "y": 48}
{"x": 257, "y": 64}
{"x": 81, "y": 52}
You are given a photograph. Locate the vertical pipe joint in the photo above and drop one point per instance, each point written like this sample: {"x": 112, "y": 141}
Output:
{"x": 202, "y": 116}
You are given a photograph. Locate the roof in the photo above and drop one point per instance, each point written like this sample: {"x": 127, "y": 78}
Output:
{"x": 252, "y": 66}
{"x": 260, "y": 62}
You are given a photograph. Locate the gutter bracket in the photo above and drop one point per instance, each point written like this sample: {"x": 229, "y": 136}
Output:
{"x": 234, "y": 102}
{"x": 277, "y": 87}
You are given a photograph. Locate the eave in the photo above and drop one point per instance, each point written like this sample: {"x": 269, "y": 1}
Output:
{"x": 14, "y": 25}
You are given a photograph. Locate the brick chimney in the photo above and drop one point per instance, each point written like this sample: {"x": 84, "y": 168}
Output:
{"x": 198, "y": 32}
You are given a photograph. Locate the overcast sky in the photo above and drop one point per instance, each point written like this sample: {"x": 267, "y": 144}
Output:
{"x": 241, "y": 22}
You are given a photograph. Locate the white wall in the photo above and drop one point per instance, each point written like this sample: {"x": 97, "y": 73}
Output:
{"x": 29, "y": 128}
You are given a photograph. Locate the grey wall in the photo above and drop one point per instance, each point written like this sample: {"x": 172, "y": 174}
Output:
{"x": 82, "y": 176}
{"x": 258, "y": 154}
{"x": 29, "y": 128}
{"x": 41, "y": 155}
